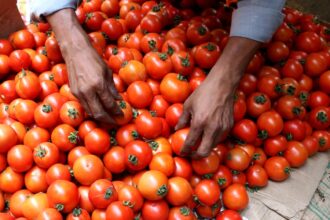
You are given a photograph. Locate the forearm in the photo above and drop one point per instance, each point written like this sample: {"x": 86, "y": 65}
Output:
{"x": 69, "y": 34}
{"x": 233, "y": 61}
{"x": 10, "y": 18}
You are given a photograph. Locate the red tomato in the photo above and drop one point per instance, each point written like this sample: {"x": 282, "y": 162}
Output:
{"x": 180, "y": 191}
{"x": 72, "y": 113}
{"x": 308, "y": 42}
{"x": 119, "y": 210}
{"x": 35, "y": 180}
{"x": 206, "y": 55}
{"x": 245, "y": 130}
{"x": 155, "y": 210}
{"x": 292, "y": 68}
{"x": 270, "y": 124}
{"x": 138, "y": 155}
{"x": 198, "y": 33}
{"x": 102, "y": 193}
{"x": 45, "y": 116}
{"x": 319, "y": 117}
{"x": 223, "y": 176}
{"x": 57, "y": 172}
{"x": 206, "y": 165}
{"x": 151, "y": 42}
{"x": 277, "y": 168}
{"x": 11, "y": 181}
{"x": 20, "y": 158}
{"x": 174, "y": 88}
{"x": 36, "y": 136}
{"x": 65, "y": 137}
{"x": 46, "y": 154}
{"x": 256, "y": 176}
{"x": 27, "y": 85}
{"x": 229, "y": 215}
{"x": 277, "y": 51}
{"x": 163, "y": 162}
{"x": 88, "y": 169}
{"x": 139, "y": 94}
{"x": 275, "y": 145}
{"x": 148, "y": 125}
{"x": 235, "y": 197}
{"x": 153, "y": 185}
{"x": 207, "y": 192}
{"x": 97, "y": 141}
{"x": 315, "y": 64}
{"x": 296, "y": 154}
{"x": 248, "y": 84}
{"x": 8, "y": 138}
{"x": 257, "y": 103}
{"x": 311, "y": 145}
{"x": 237, "y": 159}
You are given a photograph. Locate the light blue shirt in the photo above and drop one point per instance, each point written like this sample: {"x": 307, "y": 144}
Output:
{"x": 254, "y": 19}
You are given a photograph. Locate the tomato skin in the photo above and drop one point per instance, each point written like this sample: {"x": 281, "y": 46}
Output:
{"x": 229, "y": 215}
{"x": 163, "y": 162}
{"x": 56, "y": 100}
{"x": 88, "y": 169}
{"x": 179, "y": 191}
{"x": 235, "y": 197}
{"x": 318, "y": 98}
{"x": 46, "y": 154}
{"x": 323, "y": 139}
{"x": 174, "y": 88}
{"x": 64, "y": 137}
{"x": 63, "y": 195}
{"x": 277, "y": 168}
{"x": 35, "y": 205}
{"x": 8, "y": 138}
{"x": 97, "y": 141}
{"x": 289, "y": 107}
{"x": 102, "y": 193}
{"x": 153, "y": 185}
{"x": 308, "y": 42}
{"x": 319, "y": 118}
{"x": 206, "y": 55}
{"x": 311, "y": 145}
{"x": 296, "y": 154}
{"x": 49, "y": 213}
{"x": 245, "y": 130}
{"x": 292, "y": 68}
{"x": 138, "y": 155}
{"x": 119, "y": 210}
{"x": 178, "y": 139}
{"x": 151, "y": 42}
{"x": 131, "y": 194}
{"x": 72, "y": 113}
{"x": 11, "y": 181}
{"x": 198, "y": 33}
{"x": 271, "y": 123}
{"x": 325, "y": 82}
{"x": 173, "y": 114}
{"x": 53, "y": 50}
{"x": 315, "y": 64}
{"x": 27, "y": 85}
{"x": 45, "y": 116}
{"x": 20, "y": 158}
{"x": 155, "y": 210}
{"x": 275, "y": 145}
{"x": 256, "y": 176}
{"x": 207, "y": 192}
{"x": 5, "y": 47}
{"x": 259, "y": 156}
{"x": 18, "y": 60}
{"x": 16, "y": 202}
{"x": 206, "y": 165}
{"x": 181, "y": 212}
{"x": 237, "y": 159}
{"x": 35, "y": 180}
{"x": 133, "y": 71}
{"x": 139, "y": 94}
{"x": 157, "y": 64}
{"x": 4, "y": 65}
{"x": 57, "y": 171}
{"x": 114, "y": 160}
{"x": 112, "y": 28}
{"x": 277, "y": 51}
{"x": 257, "y": 103}
{"x": 148, "y": 126}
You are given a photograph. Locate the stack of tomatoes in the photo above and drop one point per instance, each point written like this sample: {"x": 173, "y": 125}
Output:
{"x": 56, "y": 163}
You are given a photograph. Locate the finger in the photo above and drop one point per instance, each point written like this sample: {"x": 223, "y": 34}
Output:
{"x": 111, "y": 86}
{"x": 85, "y": 106}
{"x": 108, "y": 101}
{"x": 97, "y": 110}
{"x": 194, "y": 134}
{"x": 183, "y": 120}
{"x": 206, "y": 145}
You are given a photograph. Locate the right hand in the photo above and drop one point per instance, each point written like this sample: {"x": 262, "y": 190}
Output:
{"x": 91, "y": 82}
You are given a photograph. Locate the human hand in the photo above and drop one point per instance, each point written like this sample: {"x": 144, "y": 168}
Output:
{"x": 210, "y": 108}
{"x": 90, "y": 79}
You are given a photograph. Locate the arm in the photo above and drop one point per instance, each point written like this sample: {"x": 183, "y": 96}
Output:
{"x": 10, "y": 18}
{"x": 89, "y": 77}
{"x": 210, "y": 108}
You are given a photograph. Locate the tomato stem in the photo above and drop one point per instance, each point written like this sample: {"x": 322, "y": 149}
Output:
{"x": 73, "y": 113}
{"x": 260, "y": 99}
{"x": 41, "y": 152}
{"x": 46, "y": 108}
{"x": 108, "y": 193}
{"x": 162, "y": 56}
{"x": 263, "y": 134}
{"x": 76, "y": 212}
{"x": 222, "y": 181}
{"x": 133, "y": 159}
{"x": 162, "y": 191}
{"x": 153, "y": 145}
{"x": 73, "y": 137}
{"x": 201, "y": 30}
{"x": 59, "y": 207}
{"x": 322, "y": 117}
{"x": 185, "y": 211}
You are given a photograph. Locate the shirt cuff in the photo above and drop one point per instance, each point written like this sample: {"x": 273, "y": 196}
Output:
{"x": 255, "y": 22}
{"x": 38, "y": 9}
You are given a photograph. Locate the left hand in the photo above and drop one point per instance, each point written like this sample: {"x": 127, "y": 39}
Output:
{"x": 210, "y": 108}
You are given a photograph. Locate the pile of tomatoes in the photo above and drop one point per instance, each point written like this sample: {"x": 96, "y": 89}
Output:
{"x": 57, "y": 163}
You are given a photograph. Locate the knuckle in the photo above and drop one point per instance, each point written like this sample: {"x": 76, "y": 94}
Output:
{"x": 203, "y": 153}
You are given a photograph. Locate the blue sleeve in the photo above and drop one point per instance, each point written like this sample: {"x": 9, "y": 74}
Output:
{"x": 257, "y": 19}
{"x": 41, "y": 8}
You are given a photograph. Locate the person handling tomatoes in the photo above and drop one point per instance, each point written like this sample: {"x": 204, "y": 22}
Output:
{"x": 208, "y": 110}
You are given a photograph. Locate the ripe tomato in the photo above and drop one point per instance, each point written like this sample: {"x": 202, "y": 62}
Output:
{"x": 155, "y": 210}
{"x": 198, "y": 33}
{"x": 269, "y": 85}
{"x": 323, "y": 139}
{"x": 235, "y": 197}
{"x": 296, "y": 154}
{"x": 229, "y": 215}
{"x": 35, "y": 136}
{"x": 148, "y": 125}
{"x": 151, "y": 42}
{"x": 88, "y": 169}
{"x": 245, "y": 130}
{"x": 65, "y": 137}
{"x": 223, "y": 177}
{"x": 53, "y": 50}
{"x": 112, "y": 28}
{"x": 133, "y": 71}
{"x": 292, "y": 68}
{"x": 85, "y": 127}
{"x": 324, "y": 82}
{"x": 16, "y": 202}
{"x": 97, "y": 141}
{"x": 163, "y": 162}
{"x": 206, "y": 55}
{"x": 72, "y": 113}
{"x": 23, "y": 39}
{"x": 20, "y": 158}
{"x": 4, "y": 65}
{"x": 178, "y": 139}
{"x": 173, "y": 45}
{"x": 99, "y": 214}
{"x": 181, "y": 212}
{"x": 35, "y": 180}
{"x": 257, "y": 103}
{"x": 118, "y": 57}
{"x": 56, "y": 100}
{"x": 182, "y": 168}
{"x": 11, "y": 181}
{"x": 270, "y": 124}
{"x": 49, "y": 213}
{"x": 60, "y": 74}
{"x": 315, "y": 64}
{"x": 256, "y": 176}
{"x": 126, "y": 134}
{"x": 179, "y": 191}
{"x": 277, "y": 168}
{"x": 102, "y": 193}
{"x": 294, "y": 130}
{"x": 24, "y": 111}
{"x": 48, "y": 87}
{"x": 119, "y": 210}
{"x": 8, "y": 138}
{"x": 174, "y": 88}
{"x": 157, "y": 64}
{"x": 319, "y": 117}
{"x": 173, "y": 114}
{"x": 139, "y": 94}
{"x": 46, "y": 154}
{"x": 57, "y": 172}
{"x": 27, "y": 85}
{"x": 275, "y": 145}
{"x": 311, "y": 145}
{"x": 237, "y": 159}
{"x": 206, "y": 165}
{"x": 131, "y": 194}
{"x": 159, "y": 105}
{"x": 18, "y": 60}
{"x": 289, "y": 107}
{"x": 34, "y": 205}
{"x": 277, "y": 51}
{"x": 5, "y": 47}
{"x": 151, "y": 23}
{"x": 183, "y": 62}
{"x": 45, "y": 116}
{"x": 40, "y": 63}
{"x": 138, "y": 155}
{"x": 308, "y": 42}
{"x": 153, "y": 185}
{"x": 94, "y": 20}
{"x": 207, "y": 192}
{"x": 114, "y": 160}
{"x": 63, "y": 195}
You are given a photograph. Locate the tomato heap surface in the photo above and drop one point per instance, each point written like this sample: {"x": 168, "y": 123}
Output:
{"x": 56, "y": 163}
